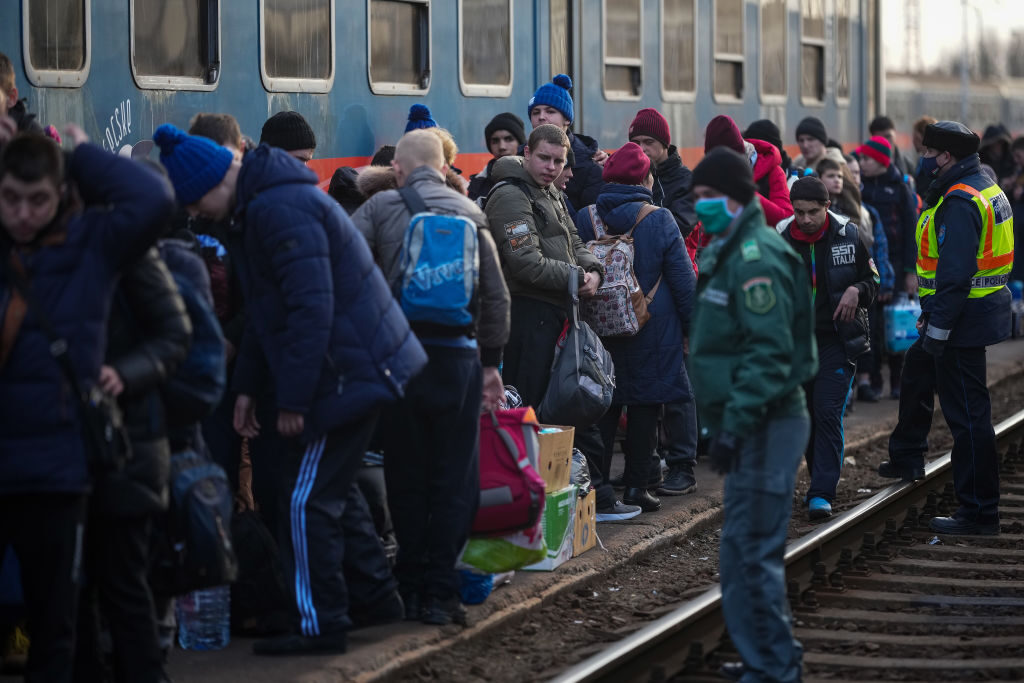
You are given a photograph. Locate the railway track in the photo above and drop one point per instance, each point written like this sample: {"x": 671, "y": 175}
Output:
{"x": 875, "y": 595}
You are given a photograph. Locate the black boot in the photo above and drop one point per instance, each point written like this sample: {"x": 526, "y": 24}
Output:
{"x": 678, "y": 481}
{"x": 890, "y": 471}
{"x": 641, "y": 497}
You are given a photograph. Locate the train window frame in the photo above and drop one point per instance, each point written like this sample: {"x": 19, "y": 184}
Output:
{"x": 390, "y": 87}
{"x": 57, "y": 78}
{"x": 730, "y": 57}
{"x": 815, "y": 42}
{"x": 852, "y": 6}
{"x": 301, "y": 85}
{"x": 767, "y": 97}
{"x": 483, "y": 89}
{"x": 155, "y": 82}
{"x": 628, "y": 62}
{"x": 678, "y": 95}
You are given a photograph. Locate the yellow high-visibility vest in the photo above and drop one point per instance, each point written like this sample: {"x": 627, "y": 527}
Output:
{"x": 995, "y": 247}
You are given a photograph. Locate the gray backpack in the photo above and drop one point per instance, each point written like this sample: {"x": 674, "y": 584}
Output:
{"x": 582, "y": 374}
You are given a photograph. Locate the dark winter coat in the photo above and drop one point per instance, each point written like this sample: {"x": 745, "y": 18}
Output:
{"x": 586, "y": 181}
{"x": 26, "y": 122}
{"x": 321, "y": 318}
{"x": 649, "y": 367}
{"x": 896, "y": 205}
{"x": 772, "y": 188}
{"x": 73, "y": 279}
{"x": 149, "y": 335}
{"x": 673, "y": 190}
{"x": 481, "y": 183}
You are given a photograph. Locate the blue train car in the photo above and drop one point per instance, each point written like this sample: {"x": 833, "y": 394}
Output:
{"x": 353, "y": 67}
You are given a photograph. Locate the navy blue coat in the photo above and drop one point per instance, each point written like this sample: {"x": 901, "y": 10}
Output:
{"x": 895, "y": 202}
{"x": 649, "y": 368}
{"x": 41, "y": 448}
{"x": 586, "y": 181}
{"x": 320, "y": 316}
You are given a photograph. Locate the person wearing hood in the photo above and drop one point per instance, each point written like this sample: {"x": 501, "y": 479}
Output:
{"x": 995, "y": 152}
{"x": 345, "y": 190}
{"x": 650, "y": 367}
{"x": 552, "y": 104}
{"x": 964, "y": 258}
{"x": 324, "y": 327}
{"x": 503, "y": 136}
{"x": 673, "y": 181}
{"x": 752, "y": 350}
{"x": 765, "y": 162}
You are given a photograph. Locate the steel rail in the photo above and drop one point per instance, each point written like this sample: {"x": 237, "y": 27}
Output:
{"x": 662, "y": 648}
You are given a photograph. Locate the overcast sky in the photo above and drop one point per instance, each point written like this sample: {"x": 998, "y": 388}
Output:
{"x": 941, "y": 28}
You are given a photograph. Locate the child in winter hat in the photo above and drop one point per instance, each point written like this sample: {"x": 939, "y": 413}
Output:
{"x": 554, "y": 94}
{"x": 194, "y": 164}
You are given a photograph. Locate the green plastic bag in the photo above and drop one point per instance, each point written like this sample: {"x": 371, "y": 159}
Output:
{"x": 505, "y": 553}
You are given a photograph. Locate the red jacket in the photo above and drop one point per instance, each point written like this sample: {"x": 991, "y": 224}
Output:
{"x": 768, "y": 175}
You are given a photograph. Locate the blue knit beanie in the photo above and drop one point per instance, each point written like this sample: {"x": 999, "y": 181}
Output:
{"x": 419, "y": 117}
{"x": 554, "y": 94}
{"x": 195, "y": 164}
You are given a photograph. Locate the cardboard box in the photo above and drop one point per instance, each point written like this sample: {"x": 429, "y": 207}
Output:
{"x": 555, "y": 457}
{"x": 584, "y": 535}
{"x": 558, "y": 524}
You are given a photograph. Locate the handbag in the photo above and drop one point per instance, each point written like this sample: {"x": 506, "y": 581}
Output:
{"x": 107, "y": 446}
{"x": 582, "y": 374}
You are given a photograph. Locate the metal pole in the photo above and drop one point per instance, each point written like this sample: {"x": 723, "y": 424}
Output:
{"x": 965, "y": 86}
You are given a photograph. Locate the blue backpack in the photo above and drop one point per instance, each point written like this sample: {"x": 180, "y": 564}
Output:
{"x": 439, "y": 266}
{"x": 196, "y": 387}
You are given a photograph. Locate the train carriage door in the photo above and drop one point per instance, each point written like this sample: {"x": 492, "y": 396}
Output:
{"x": 563, "y": 23}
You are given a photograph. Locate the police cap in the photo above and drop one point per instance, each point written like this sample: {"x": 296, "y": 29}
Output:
{"x": 952, "y": 137}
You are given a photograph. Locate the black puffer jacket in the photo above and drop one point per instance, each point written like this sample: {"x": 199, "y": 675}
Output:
{"x": 673, "y": 189}
{"x": 586, "y": 181}
{"x": 149, "y": 336}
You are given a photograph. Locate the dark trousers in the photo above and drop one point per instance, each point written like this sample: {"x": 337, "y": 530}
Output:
{"x": 46, "y": 532}
{"x": 958, "y": 376}
{"x": 826, "y": 402}
{"x": 431, "y": 464}
{"x": 641, "y": 439}
{"x": 680, "y": 423}
{"x": 879, "y": 353}
{"x": 116, "y": 587}
{"x": 327, "y": 521}
{"x": 529, "y": 353}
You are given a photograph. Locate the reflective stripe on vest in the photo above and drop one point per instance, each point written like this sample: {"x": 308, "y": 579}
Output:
{"x": 995, "y": 244}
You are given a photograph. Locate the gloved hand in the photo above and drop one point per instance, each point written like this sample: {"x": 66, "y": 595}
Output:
{"x": 724, "y": 452}
{"x": 931, "y": 345}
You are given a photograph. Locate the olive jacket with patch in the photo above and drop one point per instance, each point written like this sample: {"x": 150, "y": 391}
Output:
{"x": 752, "y": 334}
{"x": 539, "y": 246}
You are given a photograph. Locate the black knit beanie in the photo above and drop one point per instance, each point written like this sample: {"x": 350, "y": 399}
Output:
{"x": 809, "y": 189}
{"x": 814, "y": 127}
{"x": 506, "y": 121}
{"x": 728, "y": 172}
{"x": 289, "y": 131}
{"x": 765, "y": 130}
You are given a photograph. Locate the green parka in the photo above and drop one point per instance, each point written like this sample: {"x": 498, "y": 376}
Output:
{"x": 752, "y": 335}
{"x": 539, "y": 246}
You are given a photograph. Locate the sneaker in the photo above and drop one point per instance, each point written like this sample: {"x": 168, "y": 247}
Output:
{"x": 818, "y": 508}
{"x": 386, "y": 611}
{"x": 867, "y": 394}
{"x": 961, "y": 526}
{"x": 678, "y": 481}
{"x": 618, "y": 512}
{"x": 438, "y": 612}
{"x": 295, "y": 644}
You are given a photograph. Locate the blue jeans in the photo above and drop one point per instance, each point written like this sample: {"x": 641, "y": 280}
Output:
{"x": 758, "y": 500}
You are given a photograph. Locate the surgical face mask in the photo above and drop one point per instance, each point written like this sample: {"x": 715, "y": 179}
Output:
{"x": 928, "y": 167}
{"x": 714, "y": 214}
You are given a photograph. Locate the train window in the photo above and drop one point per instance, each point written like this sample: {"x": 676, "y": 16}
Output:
{"x": 812, "y": 51}
{"x": 175, "y": 45}
{"x": 678, "y": 45}
{"x": 297, "y": 38}
{"x": 485, "y": 47}
{"x": 623, "y": 42}
{"x": 560, "y": 16}
{"x": 399, "y": 38}
{"x": 843, "y": 13}
{"x": 56, "y": 42}
{"x": 728, "y": 78}
{"x": 773, "y": 47}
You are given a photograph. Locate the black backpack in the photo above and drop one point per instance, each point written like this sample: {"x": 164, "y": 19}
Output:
{"x": 259, "y": 596}
{"x": 195, "y": 550}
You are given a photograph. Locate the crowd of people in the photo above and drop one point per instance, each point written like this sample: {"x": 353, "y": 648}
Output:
{"x": 764, "y": 278}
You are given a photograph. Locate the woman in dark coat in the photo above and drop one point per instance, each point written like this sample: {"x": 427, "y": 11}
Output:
{"x": 149, "y": 335}
{"x": 649, "y": 369}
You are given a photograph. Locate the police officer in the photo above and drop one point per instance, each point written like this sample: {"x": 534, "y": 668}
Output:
{"x": 752, "y": 348}
{"x": 964, "y": 258}
{"x": 844, "y": 282}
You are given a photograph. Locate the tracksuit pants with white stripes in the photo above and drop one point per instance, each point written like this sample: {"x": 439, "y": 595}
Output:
{"x": 324, "y": 524}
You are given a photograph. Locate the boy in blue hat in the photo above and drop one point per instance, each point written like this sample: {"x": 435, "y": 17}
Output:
{"x": 323, "y": 323}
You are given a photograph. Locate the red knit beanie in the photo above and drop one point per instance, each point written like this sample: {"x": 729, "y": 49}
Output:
{"x": 627, "y": 165}
{"x": 651, "y": 123}
{"x": 723, "y": 132}
{"x": 878, "y": 148}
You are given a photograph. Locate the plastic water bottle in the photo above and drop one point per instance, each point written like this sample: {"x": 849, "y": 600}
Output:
{"x": 204, "y": 618}
{"x": 1017, "y": 308}
{"x": 901, "y": 323}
